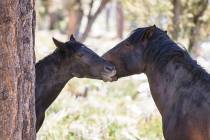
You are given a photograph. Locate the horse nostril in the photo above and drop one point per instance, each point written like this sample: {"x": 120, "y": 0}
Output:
{"x": 108, "y": 68}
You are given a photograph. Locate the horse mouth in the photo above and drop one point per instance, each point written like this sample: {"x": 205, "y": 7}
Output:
{"x": 109, "y": 77}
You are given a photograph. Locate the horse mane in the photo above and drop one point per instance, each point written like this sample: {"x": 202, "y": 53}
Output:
{"x": 161, "y": 50}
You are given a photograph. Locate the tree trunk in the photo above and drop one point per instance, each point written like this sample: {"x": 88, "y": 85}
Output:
{"x": 75, "y": 19}
{"x": 75, "y": 15}
{"x": 176, "y": 19}
{"x": 108, "y": 14}
{"x": 92, "y": 18}
{"x": 119, "y": 19}
{"x": 194, "y": 32}
{"x": 17, "y": 72}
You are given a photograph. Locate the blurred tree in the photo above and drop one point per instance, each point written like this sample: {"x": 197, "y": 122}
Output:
{"x": 187, "y": 15}
{"x": 145, "y": 12}
{"x": 91, "y": 17}
{"x": 17, "y": 72}
{"x": 108, "y": 14}
{"x": 198, "y": 9}
{"x": 177, "y": 7}
{"x": 76, "y": 14}
{"x": 119, "y": 19}
{"x": 48, "y": 13}
{"x": 186, "y": 20}
{"x": 49, "y": 16}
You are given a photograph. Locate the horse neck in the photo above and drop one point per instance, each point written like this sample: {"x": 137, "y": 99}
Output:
{"x": 164, "y": 84}
{"x": 51, "y": 77}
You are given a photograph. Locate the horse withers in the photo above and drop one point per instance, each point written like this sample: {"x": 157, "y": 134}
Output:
{"x": 70, "y": 59}
{"x": 179, "y": 86}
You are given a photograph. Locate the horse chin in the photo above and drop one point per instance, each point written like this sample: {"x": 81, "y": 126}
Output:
{"x": 109, "y": 77}
{"x": 106, "y": 79}
{"x": 114, "y": 78}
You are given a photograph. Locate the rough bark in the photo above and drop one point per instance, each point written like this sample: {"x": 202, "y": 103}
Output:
{"x": 92, "y": 17}
{"x": 17, "y": 74}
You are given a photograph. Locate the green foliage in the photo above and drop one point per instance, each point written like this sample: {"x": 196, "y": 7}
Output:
{"x": 160, "y": 12}
{"x": 113, "y": 129}
{"x": 151, "y": 127}
{"x": 190, "y": 9}
{"x": 144, "y": 13}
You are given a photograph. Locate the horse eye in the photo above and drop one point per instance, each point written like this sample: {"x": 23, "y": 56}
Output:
{"x": 127, "y": 44}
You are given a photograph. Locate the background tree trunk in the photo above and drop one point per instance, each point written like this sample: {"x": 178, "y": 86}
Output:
{"x": 108, "y": 14}
{"x": 48, "y": 12}
{"x": 75, "y": 18}
{"x": 177, "y": 7}
{"x": 17, "y": 72}
{"x": 119, "y": 19}
{"x": 92, "y": 17}
{"x": 195, "y": 30}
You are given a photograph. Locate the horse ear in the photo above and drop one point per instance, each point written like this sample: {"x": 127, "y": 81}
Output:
{"x": 72, "y": 38}
{"x": 57, "y": 43}
{"x": 148, "y": 33}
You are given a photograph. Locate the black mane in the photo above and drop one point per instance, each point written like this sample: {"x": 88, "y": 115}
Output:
{"x": 161, "y": 50}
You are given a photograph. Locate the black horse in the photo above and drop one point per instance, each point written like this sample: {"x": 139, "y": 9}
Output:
{"x": 179, "y": 86}
{"x": 70, "y": 59}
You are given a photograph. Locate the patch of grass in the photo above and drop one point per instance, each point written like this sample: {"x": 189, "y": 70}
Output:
{"x": 113, "y": 129}
{"x": 151, "y": 128}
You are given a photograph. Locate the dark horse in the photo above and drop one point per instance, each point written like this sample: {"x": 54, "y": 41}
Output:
{"x": 179, "y": 86}
{"x": 70, "y": 59}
